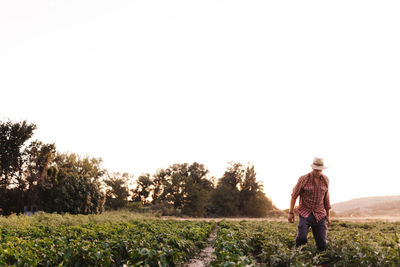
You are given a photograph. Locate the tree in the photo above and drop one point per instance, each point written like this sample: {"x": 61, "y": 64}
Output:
{"x": 160, "y": 182}
{"x": 199, "y": 189}
{"x": 257, "y": 205}
{"x": 118, "y": 192}
{"x": 234, "y": 175}
{"x": 143, "y": 188}
{"x": 239, "y": 193}
{"x": 197, "y": 199}
{"x": 76, "y": 185}
{"x": 225, "y": 201}
{"x": 13, "y": 137}
{"x": 226, "y": 198}
{"x": 38, "y": 160}
{"x": 184, "y": 187}
{"x": 75, "y": 194}
{"x": 71, "y": 163}
{"x": 32, "y": 174}
{"x": 249, "y": 190}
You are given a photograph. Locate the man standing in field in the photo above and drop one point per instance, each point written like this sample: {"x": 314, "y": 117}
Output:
{"x": 314, "y": 205}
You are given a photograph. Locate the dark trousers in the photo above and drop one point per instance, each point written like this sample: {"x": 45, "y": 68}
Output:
{"x": 318, "y": 229}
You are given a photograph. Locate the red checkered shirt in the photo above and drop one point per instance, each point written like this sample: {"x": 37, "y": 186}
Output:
{"x": 313, "y": 198}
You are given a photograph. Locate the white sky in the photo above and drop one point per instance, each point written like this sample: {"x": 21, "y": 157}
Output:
{"x": 144, "y": 84}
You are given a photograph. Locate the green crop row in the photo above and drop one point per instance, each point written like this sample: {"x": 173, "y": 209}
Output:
{"x": 232, "y": 246}
{"x": 119, "y": 239}
{"x": 136, "y": 243}
{"x": 273, "y": 244}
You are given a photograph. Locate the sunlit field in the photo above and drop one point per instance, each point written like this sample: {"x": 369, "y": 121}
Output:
{"x": 129, "y": 239}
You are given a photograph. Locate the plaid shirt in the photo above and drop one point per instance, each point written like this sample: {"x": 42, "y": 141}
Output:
{"x": 313, "y": 198}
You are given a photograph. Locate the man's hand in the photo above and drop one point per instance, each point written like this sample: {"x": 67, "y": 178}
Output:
{"x": 291, "y": 217}
{"x": 328, "y": 221}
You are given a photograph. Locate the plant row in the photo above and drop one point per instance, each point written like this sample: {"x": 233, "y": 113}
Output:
{"x": 138, "y": 243}
{"x": 273, "y": 244}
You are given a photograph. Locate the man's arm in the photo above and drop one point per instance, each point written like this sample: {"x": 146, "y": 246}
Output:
{"x": 327, "y": 205}
{"x": 292, "y": 203}
{"x": 291, "y": 209}
{"x": 295, "y": 193}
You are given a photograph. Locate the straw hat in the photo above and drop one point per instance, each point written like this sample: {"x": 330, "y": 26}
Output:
{"x": 318, "y": 164}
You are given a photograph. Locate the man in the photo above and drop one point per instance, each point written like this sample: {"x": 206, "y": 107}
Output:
{"x": 314, "y": 205}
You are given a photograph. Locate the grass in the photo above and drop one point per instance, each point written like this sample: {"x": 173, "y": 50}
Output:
{"x": 67, "y": 219}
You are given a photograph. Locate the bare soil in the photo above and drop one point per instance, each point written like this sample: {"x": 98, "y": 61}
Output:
{"x": 206, "y": 256}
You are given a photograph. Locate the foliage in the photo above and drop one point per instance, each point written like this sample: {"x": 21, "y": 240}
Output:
{"x": 126, "y": 238}
{"x": 238, "y": 193}
{"x": 71, "y": 164}
{"x": 74, "y": 194}
{"x": 143, "y": 188}
{"x": 35, "y": 176}
{"x": 38, "y": 160}
{"x": 76, "y": 186}
{"x": 232, "y": 247}
{"x": 273, "y": 244}
{"x": 197, "y": 199}
{"x": 226, "y": 197}
{"x": 134, "y": 243}
{"x": 225, "y": 200}
{"x": 118, "y": 192}
{"x": 184, "y": 187}
{"x": 13, "y": 137}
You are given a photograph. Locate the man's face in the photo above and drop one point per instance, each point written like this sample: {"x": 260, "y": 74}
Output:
{"x": 317, "y": 173}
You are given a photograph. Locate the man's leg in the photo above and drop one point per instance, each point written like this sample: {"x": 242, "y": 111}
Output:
{"x": 319, "y": 232}
{"x": 302, "y": 231}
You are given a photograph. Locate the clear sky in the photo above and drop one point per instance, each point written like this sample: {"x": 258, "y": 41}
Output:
{"x": 144, "y": 84}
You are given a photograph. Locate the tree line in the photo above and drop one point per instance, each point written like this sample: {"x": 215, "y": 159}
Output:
{"x": 35, "y": 176}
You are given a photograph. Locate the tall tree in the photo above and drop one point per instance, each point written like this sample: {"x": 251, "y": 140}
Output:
{"x": 71, "y": 163}
{"x": 226, "y": 197}
{"x": 13, "y": 140}
{"x": 143, "y": 188}
{"x": 38, "y": 159}
{"x": 160, "y": 182}
{"x": 13, "y": 137}
{"x": 118, "y": 192}
{"x": 183, "y": 186}
{"x": 199, "y": 189}
{"x": 248, "y": 190}
{"x": 76, "y": 185}
{"x": 239, "y": 193}
{"x": 234, "y": 175}
{"x": 253, "y": 202}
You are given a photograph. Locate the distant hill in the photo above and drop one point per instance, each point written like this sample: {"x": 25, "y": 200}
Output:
{"x": 367, "y": 206}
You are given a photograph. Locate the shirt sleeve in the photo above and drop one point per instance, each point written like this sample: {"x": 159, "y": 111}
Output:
{"x": 327, "y": 202}
{"x": 297, "y": 189}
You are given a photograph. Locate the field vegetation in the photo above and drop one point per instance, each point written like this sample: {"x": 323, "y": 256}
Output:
{"x": 273, "y": 244}
{"x": 111, "y": 239}
{"x": 129, "y": 239}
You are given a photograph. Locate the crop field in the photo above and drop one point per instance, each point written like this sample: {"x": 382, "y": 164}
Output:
{"x": 51, "y": 240}
{"x": 272, "y": 244}
{"x": 126, "y": 239}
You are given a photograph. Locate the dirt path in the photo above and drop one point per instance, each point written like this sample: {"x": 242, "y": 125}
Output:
{"x": 205, "y": 256}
